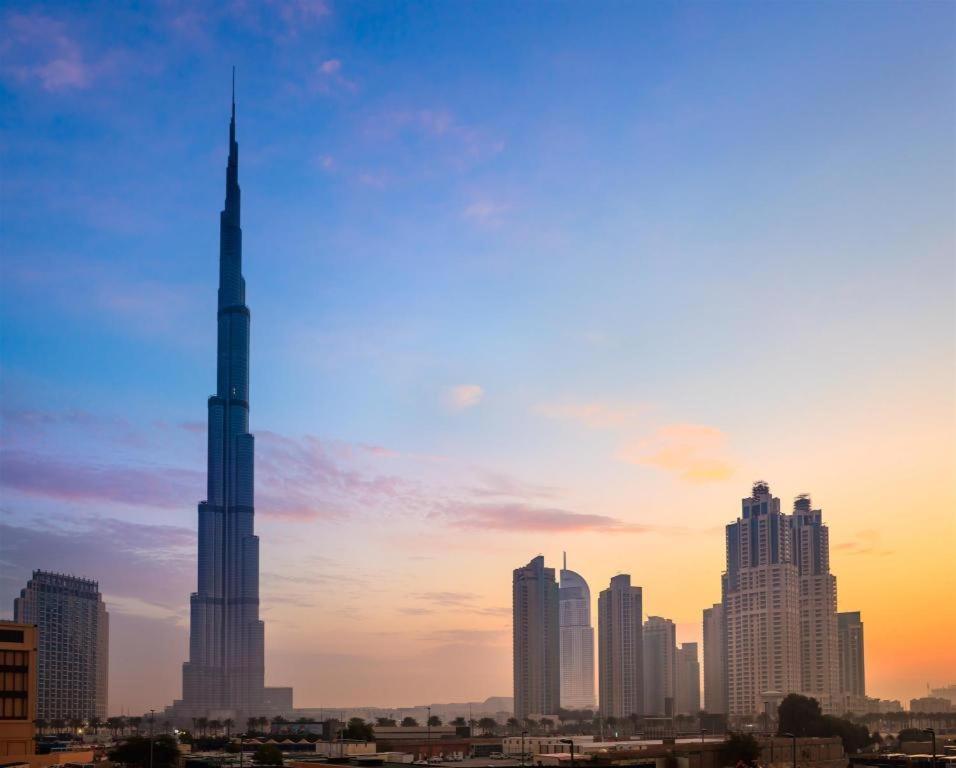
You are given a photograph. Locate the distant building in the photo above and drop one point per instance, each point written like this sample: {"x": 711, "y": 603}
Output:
{"x": 715, "y": 660}
{"x": 73, "y": 644}
{"x": 688, "y": 680}
{"x": 536, "y": 646}
{"x": 18, "y": 689}
{"x": 660, "y": 666}
{"x": 761, "y": 592}
{"x": 819, "y": 646}
{"x": 852, "y": 668}
{"x": 946, "y": 692}
{"x": 930, "y": 704}
{"x": 577, "y": 641}
{"x": 620, "y": 656}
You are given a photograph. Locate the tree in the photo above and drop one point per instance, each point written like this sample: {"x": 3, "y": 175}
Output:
{"x": 41, "y": 725}
{"x": 263, "y": 722}
{"x": 75, "y": 724}
{"x": 135, "y": 723}
{"x": 385, "y": 722}
{"x": 251, "y": 723}
{"x": 514, "y": 725}
{"x": 409, "y": 722}
{"x": 459, "y": 722}
{"x": 799, "y": 715}
{"x": 135, "y": 751}
{"x": 57, "y": 724}
{"x": 547, "y": 723}
{"x": 739, "y": 748}
{"x": 488, "y": 725}
{"x": 202, "y": 723}
{"x": 434, "y": 721}
{"x": 267, "y": 754}
{"x": 359, "y": 730}
{"x": 95, "y": 724}
{"x": 215, "y": 726}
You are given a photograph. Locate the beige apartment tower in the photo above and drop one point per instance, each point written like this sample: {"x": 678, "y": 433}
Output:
{"x": 660, "y": 667}
{"x": 761, "y": 599}
{"x": 715, "y": 660}
{"x": 620, "y": 648}
{"x": 18, "y": 691}
{"x": 535, "y": 641}
{"x": 819, "y": 643}
{"x": 688, "y": 680}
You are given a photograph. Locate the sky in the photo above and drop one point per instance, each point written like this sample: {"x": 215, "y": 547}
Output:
{"x": 524, "y": 279}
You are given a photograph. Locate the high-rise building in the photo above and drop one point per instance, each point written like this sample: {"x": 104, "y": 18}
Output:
{"x": 536, "y": 643}
{"x": 660, "y": 666}
{"x": 688, "y": 680}
{"x": 819, "y": 645}
{"x": 18, "y": 690}
{"x": 621, "y": 649}
{"x": 577, "y": 641}
{"x": 225, "y": 672}
{"x": 72, "y": 644}
{"x": 761, "y": 599}
{"x": 852, "y": 667}
{"x": 715, "y": 660}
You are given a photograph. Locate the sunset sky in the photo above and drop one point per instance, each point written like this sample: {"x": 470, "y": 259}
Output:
{"x": 523, "y": 279}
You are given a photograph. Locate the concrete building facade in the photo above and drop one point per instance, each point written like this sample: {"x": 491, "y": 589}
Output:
{"x": 72, "y": 644}
{"x": 621, "y": 648}
{"x": 660, "y": 666}
{"x": 715, "y": 660}
{"x": 18, "y": 689}
{"x": 535, "y": 640}
{"x": 819, "y": 641}
{"x": 576, "y": 641}
{"x": 852, "y": 663}
{"x": 688, "y": 680}
{"x": 761, "y": 601}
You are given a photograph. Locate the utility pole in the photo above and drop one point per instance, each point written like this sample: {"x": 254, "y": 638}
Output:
{"x": 428, "y": 737}
{"x": 794, "y": 742}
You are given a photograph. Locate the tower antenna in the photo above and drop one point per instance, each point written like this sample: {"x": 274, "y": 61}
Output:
{"x": 233, "y": 91}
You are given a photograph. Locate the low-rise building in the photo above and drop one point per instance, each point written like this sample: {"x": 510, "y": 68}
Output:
{"x": 931, "y": 704}
{"x": 18, "y": 689}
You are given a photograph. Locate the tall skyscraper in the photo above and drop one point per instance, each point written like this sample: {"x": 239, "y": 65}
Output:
{"x": 819, "y": 645}
{"x": 73, "y": 644}
{"x": 660, "y": 666}
{"x": 852, "y": 667}
{"x": 620, "y": 658}
{"x": 577, "y": 641}
{"x": 688, "y": 680}
{"x": 715, "y": 660}
{"x": 761, "y": 599}
{"x": 225, "y": 671}
{"x": 536, "y": 644}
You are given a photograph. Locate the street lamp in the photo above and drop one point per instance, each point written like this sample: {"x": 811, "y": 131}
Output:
{"x": 932, "y": 733}
{"x": 428, "y": 726}
{"x": 152, "y": 718}
{"x": 570, "y": 743}
{"x": 523, "y": 735}
{"x": 702, "y": 732}
{"x": 794, "y": 738}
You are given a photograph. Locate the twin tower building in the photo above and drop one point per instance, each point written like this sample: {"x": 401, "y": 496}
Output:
{"x": 775, "y": 631}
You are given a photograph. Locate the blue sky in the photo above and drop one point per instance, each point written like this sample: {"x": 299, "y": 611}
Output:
{"x": 612, "y": 259}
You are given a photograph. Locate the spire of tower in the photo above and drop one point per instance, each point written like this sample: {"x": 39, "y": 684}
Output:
{"x": 233, "y": 92}
{"x": 565, "y": 556}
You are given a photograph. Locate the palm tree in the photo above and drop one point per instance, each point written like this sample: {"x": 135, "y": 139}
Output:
{"x": 384, "y": 722}
{"x": 95, "y": 724}
{"x": 409, "y": 722}
{"x": 488, "y": 725}
{"x": 514, "y": 725}
{"x": 202, "y": 723}
{"x": 166, "y": 726}
{"x": 229, "y": 722}
{"x": 57, "y": 723}
{"x": 434, "y": 721}
{"x": 41, "y": 725}
{"x": 546, "y": 723}
{"x": 263, "y": 722}
{"x": 135, "y": 722}
{"x": 459, "y": 722}
{"x": 76, "y": 724}
{"x": 215, "y": 726}
{"x": 251, "y": 723}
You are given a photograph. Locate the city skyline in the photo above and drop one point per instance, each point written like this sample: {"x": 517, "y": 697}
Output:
{"x": 559, "y": 297}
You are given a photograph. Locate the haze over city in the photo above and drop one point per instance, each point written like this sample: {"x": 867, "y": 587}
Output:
{"x": 519, "y": 284}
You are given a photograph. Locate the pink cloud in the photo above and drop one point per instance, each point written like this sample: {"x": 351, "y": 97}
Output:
{"x": 693, "y": 451}
{"x": 38, "y": 49}
{"x": 330, "y": 67}
{"x": 463, "y": 396}
{"x": 522, "y": 517}
{"x": 594, "y": 414}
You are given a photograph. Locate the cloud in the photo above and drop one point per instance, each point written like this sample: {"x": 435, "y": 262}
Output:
{"x": 35, "y": 474}
{"x": 463, "y": 396}
{"x": 596, "y": 415}
{"x": 485, "y": 213}
{"x": 38, "y": 49}
{"x": 866, "y": 542}
{"x": 693, "y": 451}
{"x": 448, "y": 599}
{"x": 330, "y": 66}
{"x": 522, "y": 517}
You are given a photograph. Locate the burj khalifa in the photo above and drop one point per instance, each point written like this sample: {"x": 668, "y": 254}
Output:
{"x": 225, "y": 671}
